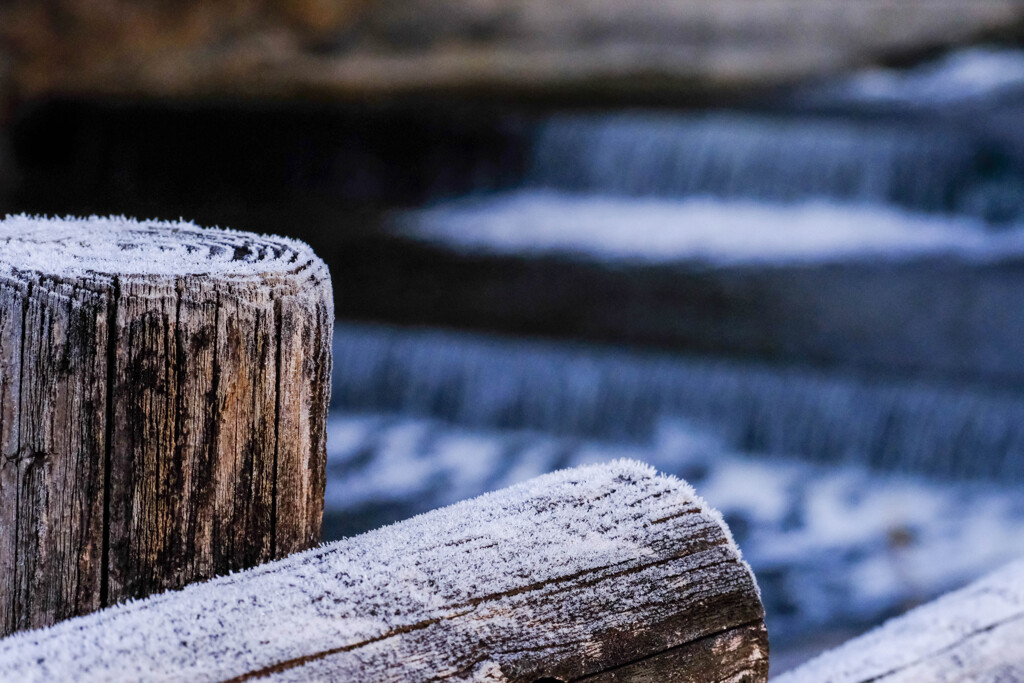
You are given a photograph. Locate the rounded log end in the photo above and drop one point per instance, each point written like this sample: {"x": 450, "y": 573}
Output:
{"x": 74, "y": 248}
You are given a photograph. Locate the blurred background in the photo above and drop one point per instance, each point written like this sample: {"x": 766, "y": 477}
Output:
{"x": 774, "y": 247}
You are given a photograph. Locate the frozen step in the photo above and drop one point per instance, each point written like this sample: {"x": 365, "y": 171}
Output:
{"x": 571, "y": 389}
{"x": 869, "y": 289}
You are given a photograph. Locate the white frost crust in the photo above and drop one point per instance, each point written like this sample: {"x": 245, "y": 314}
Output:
{"x": 369, "y": 586}
{"x": 79, "y": 247}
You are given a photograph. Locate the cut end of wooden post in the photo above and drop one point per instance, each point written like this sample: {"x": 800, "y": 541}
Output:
{"x": 163, "y": 397}
{"x": 67, "y": 248}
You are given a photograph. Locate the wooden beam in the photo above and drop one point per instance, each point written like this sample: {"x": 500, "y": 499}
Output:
{"x": 163, "y": 397}
{"x": 604, "y": 573}
{"x": 974, "y": 634}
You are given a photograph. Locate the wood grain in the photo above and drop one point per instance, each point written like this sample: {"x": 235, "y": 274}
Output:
{"x": 602, "y": 573}
{"x": 971, "y": 635}
{"x": 163, "y": 392}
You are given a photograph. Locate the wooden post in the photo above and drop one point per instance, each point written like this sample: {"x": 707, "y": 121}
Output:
{"x": 163, "y": 392}
{"x": 971, "y": 635}
{"x": 608, "y": 572}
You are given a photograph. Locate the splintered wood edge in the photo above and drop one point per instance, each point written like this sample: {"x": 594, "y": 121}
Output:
{"x": 607, "y": 572}
{"x": 973, "y": 634}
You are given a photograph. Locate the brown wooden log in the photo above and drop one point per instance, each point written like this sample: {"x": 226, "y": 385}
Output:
{"x": 972, "y": 635}
{"x": 163, "y": 393}
{"x": 604, "y": 573}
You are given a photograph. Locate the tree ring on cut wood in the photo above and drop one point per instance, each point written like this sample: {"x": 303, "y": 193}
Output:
{"x": 163, "y": 396}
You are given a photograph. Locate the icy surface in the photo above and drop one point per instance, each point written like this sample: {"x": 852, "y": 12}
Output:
{"x": 831, "y": 546}
{"x": 481, "y": 554}
{"x": 663, "y": 230}
{"x": 76, "y": 247}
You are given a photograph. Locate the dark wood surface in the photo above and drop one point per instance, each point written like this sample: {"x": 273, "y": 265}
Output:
{"x": 603, "y": 573}
{"x": 163, "y": 395}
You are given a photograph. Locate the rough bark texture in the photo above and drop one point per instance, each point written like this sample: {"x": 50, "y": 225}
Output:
{"x": 364, "y": 47}
{"x": 603, "y": 573}
{"x": 163, "y": 394}
{"x": 972, "y": 635}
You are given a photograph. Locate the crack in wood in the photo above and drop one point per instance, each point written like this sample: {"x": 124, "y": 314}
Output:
{"x": 278, "y": 327}
{"x": 753, "y": 623}
{"x": 108, "y": 438}
{"x": 16, "y": 617}
{"x": 681, "y": 513}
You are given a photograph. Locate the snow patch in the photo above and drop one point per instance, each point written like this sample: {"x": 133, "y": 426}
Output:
{"x": 653, "y": 230}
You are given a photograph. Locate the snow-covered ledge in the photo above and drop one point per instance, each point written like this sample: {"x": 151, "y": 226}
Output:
{"x": 610, "y": 571}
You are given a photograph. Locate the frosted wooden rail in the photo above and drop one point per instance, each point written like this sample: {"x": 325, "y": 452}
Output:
{"x": 972, "y": 635}
{"x": 163, "y": 392}
{"x": 609, "y": 573}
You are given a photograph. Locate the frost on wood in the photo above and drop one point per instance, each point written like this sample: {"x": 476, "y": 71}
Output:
{"x": 973, "y": 634}
{"x": 607, "y": 571}
{"x": 163, "y": 391}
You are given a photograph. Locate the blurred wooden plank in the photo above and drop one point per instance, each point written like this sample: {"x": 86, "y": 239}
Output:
{"x": 973, "y": 634}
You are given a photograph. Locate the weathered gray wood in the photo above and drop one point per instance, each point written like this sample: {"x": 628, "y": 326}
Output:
{"x": 975, "y": 634}
{"x": 609, "y": 573}
{"x": 163, "y": 393}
